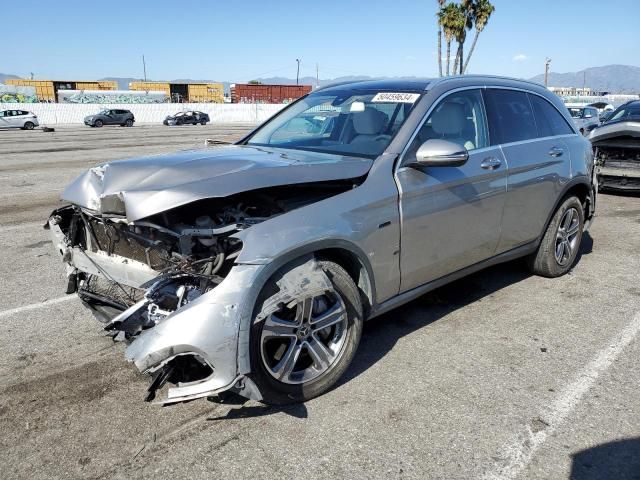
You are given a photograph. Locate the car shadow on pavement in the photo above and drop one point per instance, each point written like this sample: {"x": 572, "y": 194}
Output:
{"x": 381, "y": 334}
{"x": 298, "y": 410}
{"x": 619, "y": 460}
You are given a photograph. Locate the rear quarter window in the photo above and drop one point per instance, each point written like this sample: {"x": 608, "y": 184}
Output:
{"x": 549, "y": 121}
{"x": 510, "y": 116}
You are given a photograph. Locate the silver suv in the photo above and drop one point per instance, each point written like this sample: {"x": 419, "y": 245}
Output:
{"x": 585, "y": 118}
{"x": 18, "y": 119}
{"x": 252, "y": 267}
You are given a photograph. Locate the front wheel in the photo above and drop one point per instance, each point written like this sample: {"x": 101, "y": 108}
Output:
{"x": 203, "y": 122}
{"x": 302, "y": 343}
{"x": 559, "y": 247}
{"x": 98, "y": 123}
{"x": 129, "y": 123}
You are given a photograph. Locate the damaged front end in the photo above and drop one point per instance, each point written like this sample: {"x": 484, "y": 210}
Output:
{"x": 617, "y": 155}
{"x": 169, "y": 286}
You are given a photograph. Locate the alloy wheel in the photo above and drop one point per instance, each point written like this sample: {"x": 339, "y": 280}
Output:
{"x": 304, "y": 339}
{"x": 567, "y": 236}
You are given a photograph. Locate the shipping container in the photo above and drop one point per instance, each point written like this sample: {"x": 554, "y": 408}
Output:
{"x": 46, "y": 90}
{"x": 258, "y": 93}
{"x": 206, "y": 92}
{"x": 185, "y": 92}
{"x": 150, "y": 86}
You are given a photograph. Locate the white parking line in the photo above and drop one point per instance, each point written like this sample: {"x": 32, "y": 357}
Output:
{"x": 35, "y": 306}
{"x": 518, "y": 453}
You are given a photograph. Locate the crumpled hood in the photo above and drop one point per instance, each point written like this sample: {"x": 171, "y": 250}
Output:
{"x": 150, "y": 185}
{"x": 616, "y": 129}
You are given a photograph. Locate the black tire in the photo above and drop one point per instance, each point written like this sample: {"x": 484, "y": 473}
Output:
{"x": 279, "y": 393}
{"x": 194, "y": 123}
{"x": 203, "y": 123}
{"x": 129, "y": 123}
{"x": 28, "y": 125}
{"x": 98, "y": 123}
{"x": 544, "y": 261}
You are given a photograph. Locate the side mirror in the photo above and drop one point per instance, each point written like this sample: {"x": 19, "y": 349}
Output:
{"x": 441, "y": 153}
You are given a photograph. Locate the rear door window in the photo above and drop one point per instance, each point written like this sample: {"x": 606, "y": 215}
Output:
{"x": 548, "y": 120}
{"x": 510, "y": 116}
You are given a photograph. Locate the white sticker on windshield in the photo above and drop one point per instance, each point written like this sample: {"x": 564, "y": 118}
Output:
{"x": 395, "y": 97}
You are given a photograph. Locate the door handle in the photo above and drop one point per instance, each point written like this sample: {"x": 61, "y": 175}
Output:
{"x": 491, "y": 163}
{"x": 556, "y": 151}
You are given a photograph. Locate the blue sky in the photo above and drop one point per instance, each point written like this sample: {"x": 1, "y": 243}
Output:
{"x": 240, "y": 40}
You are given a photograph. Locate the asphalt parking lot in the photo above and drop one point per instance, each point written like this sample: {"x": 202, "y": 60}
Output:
{"x": 501, "y": 375}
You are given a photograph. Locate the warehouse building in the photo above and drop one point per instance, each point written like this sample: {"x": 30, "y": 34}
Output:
{"x": 184, "y": 92}
{"x": 47, "y": 90}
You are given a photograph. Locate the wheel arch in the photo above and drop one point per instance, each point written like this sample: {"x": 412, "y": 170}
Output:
{"x": 580, "y": 187}
{"x": 344, "y": 253}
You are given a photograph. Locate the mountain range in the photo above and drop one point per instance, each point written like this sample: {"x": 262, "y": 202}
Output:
{"x": 609, "y": 78}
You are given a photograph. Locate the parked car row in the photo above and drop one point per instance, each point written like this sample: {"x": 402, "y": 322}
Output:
{"x": 125, "y": 118}
{"x": 109, "y": 116}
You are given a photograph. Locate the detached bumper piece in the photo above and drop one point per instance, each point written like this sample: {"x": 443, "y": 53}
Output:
{"x": 182, "y": 369}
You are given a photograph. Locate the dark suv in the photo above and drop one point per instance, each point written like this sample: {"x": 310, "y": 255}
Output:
{"x": 124, "y": 118}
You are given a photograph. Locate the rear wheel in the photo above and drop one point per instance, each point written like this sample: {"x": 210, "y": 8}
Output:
{"x": 302, "y": 344}
{"x": 129, "y": 123}
{"x": 559, "y": 247}
{"x": 203, "y": 122}
{"x": 28, "y": 125}
{"x": 98, "y": 123}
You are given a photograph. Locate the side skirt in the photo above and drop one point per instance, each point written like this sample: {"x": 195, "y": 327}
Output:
{"x": 414, "y": 293}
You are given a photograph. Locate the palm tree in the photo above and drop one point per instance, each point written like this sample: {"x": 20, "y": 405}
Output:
{"x": 441, "y": 5}
{"x": 451, "y": 18}
{"x": 482, "y": 10}
{"x": 466, "y": 8}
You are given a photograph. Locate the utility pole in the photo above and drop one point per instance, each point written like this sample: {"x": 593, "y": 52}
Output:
{"x": 547, "y": 62}
{"x": 144, "y": 68}
{"x": 317, "y": 76}
{"x": 298, "y": 72}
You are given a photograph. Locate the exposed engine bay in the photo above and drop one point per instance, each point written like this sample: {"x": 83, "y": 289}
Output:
{"x": 193, "y": 245}
{"x": 617, "y": 155}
